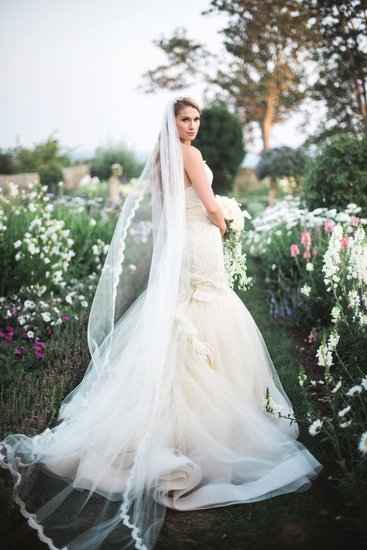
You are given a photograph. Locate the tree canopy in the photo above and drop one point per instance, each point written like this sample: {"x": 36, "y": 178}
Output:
{"x": 261, "y": 76}
{"x": 341, "y": 55}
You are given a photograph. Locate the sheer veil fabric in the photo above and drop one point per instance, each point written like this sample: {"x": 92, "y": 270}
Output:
{"x": 130, "y": 441}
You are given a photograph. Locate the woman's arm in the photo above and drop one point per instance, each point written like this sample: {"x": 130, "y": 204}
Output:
{"x": 195, "y": 169}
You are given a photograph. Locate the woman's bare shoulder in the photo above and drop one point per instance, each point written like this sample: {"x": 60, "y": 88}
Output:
{"x": 191, "y": 154}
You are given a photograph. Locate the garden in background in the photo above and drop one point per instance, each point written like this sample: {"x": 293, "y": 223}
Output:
{"x": 306, "y": 248}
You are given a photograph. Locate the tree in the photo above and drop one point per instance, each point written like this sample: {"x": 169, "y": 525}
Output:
{"x": 342, "y": 57}
{"x": 281, "y": 162}
{"x": 265, "y": 43}
{"x": 221, "y": 144}
{"x": 47, "y": 158}
{"x": 7, "y": 162}
{"x": 108, "y": 154}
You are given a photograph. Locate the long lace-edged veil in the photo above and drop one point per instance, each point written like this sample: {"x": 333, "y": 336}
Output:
{"x": 92, "y": 481}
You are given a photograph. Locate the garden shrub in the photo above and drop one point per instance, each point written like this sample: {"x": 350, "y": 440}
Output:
{"x": 221, "y": 144}
{"x": 338, "y": 174}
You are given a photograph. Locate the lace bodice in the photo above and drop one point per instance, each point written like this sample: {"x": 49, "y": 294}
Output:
{"x": 205, "y": 246}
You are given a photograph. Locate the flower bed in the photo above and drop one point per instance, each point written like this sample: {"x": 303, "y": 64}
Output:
{"x": 316, "y": 266}
{"x": 51, "y": 254}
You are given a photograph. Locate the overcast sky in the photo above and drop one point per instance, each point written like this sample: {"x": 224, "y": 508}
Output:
{"x": 71, "y": 68}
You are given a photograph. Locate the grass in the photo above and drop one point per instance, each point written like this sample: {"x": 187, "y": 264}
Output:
{"x": 294, "y": 521}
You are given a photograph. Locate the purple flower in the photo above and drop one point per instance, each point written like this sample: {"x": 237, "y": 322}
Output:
{"x": 17, "y": 351}
{"x": 64, "y": 318}
{"x": 2, "y": 334}
{"x": 38, "y": 354}
{"x": 10, "y": 329}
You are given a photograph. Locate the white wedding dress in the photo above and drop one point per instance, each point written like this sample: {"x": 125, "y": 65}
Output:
{"x": 213, "y": 442}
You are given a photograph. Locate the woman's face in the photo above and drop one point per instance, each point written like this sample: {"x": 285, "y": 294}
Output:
{"x": 188, "y": 122}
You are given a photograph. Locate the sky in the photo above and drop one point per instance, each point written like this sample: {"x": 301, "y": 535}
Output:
{"x": 71, "y": 69}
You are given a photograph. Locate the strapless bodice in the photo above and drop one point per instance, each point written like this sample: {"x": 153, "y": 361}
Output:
{"x": 191, "y": 197}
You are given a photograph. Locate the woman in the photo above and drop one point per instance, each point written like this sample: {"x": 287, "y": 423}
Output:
{"x": 170, "y": 411}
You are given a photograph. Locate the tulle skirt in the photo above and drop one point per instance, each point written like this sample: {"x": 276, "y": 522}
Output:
{"x": 210, "y": 442}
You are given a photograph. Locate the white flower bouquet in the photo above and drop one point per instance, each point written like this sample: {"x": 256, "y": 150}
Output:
{"x": 234, "y": 257}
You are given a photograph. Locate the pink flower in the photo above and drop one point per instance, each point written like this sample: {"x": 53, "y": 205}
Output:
{"x": 307, "y": 255}
{"x": 2, "y": 334}
{"x": 354, "y": 221}
{"x": 17, "y": 351}
{"x": 329, "y": 226}
{"x": 306, "y": 239}
{"x": 10, "y": 329}
{"x": 65, "y": 318}
{"x": 294, "y": 250}
{"x": 25, "y": 335}
{"x": 314, "y": 252}
{"x": 344, "y": 242}
{"x": 38, "y": 354}
{"x": 312, "y": 337}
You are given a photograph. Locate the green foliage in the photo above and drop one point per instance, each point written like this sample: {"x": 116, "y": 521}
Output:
{"x": 220, "y": 141}
{"x": 341, "y": 54}
{"x": 337, "y": 176}
{"x": 281, "y": 162}
{"x": 262, "y": 77}
{"x": 109, "y": 154}
{"x": 7, "y": 162}
{"x": 46, "y": 158}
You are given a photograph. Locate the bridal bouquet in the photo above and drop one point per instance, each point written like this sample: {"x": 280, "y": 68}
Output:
{"x": 234, "y": 257}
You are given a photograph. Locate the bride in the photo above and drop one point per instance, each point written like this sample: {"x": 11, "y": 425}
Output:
{"x": 170, "y": 412}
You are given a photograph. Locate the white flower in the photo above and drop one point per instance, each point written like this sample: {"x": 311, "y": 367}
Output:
{"x": 345, "y": 424}
{"x": 28, "y": 304}
{"x": 333, "y": 340}
{"x": 364, "y": 383}
{"x": 332, "y": 256}
{"x": 315, "y": 427}
{"x": 335, "y": 314}
{"x": 306, "y": 290}
{"x": 57, "y": 277}
{"x": 30, "y": 333}
{"x": 353, "y": 299}
{"x": 324, "y": 355}
{"x": 13, "y": 189}
{"x": 343, "y": 412}
{"x": 18, "y": 255}
{"x": 31, "y": 207}
{"x": 309, "y": 266}
{"x": 32, "y": 249}
{"x": 46, "y": 316}
{"x": 363, "y": 443}
{"x": 84, "y": 303}
{"x": 335, "y": 389}
{"x": 132, "y": 267}
{"x": 354, "y": 390}
{"x": 69, "y": 298}
{"x": 17, "y": 244}
{"x": 93, "y": 222}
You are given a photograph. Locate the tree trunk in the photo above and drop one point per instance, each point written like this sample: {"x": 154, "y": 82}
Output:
{"x": 267, "y": 126}
{"x": 273, "y": 192}
{"x": 267, "y": 121}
